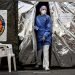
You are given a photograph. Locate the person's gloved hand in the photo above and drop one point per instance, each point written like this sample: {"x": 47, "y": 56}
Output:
{"x": 43, "y": 38}
{"x": 35, "y": 27}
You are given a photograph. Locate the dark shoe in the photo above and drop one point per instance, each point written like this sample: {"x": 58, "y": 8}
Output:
{"x": 38, "y": 66}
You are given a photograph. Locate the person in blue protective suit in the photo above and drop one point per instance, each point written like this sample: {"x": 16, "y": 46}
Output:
{"x": 43, "y": 27}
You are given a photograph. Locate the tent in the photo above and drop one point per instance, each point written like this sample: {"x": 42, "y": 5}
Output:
{"x": 63, "y": 33}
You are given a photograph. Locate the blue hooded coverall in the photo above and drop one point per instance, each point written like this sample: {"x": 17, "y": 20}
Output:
{"x": 44, "y": 25}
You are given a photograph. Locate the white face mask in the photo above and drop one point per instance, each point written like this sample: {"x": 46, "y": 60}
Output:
{"x": 43, "y": 12}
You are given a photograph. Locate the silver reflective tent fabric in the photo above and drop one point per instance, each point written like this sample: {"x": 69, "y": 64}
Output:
{"x": 63, "y": 35}
{"x": 27, "y": 35}
{"x": 63, "y": 43}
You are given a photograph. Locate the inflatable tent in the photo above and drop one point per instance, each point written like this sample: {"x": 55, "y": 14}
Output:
{"x": 63, "y": 33}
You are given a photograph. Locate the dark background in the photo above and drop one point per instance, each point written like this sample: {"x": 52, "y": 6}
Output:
{"x": 12, "y": 27}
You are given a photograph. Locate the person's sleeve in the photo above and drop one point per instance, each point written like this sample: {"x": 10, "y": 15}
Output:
{"x": 36, "y": 24}
{"x": 48, "y": 30}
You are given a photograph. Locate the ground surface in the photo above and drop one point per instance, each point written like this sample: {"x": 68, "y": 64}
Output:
{"x": 41, "y": 72}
